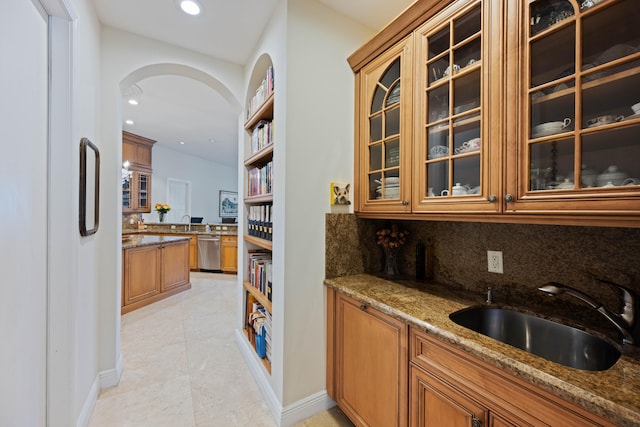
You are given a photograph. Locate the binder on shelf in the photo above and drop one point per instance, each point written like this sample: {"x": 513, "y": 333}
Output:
{"x": 259, "y": 221}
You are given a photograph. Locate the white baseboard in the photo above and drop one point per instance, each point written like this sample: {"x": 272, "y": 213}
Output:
{"x": 305, "y": 408}
{"x": 103, "y": 380}
{"x": 259, "y": 374}
{"x": 111, "y": 377}
{"x": 293, "y": 413}
{"x": 89, "y": 403}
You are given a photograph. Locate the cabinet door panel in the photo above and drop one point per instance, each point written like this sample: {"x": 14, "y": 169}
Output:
{"x": 434, "y": 404}
{"x": 175, "y": 265}
{"x": 141, "y": 273}
{"x": 383, "y": 166}
{"x": 371, "y": 364}
{"x": 578, "y": 139}
{"x": 456, "y": 165}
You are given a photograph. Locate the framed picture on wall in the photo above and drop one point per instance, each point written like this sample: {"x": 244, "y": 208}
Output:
{"x": 228, "y": 204}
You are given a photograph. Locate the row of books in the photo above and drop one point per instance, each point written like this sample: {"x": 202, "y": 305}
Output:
{"x": 262, "y": 92}
{"x": 260, "y": 271}
{"x": 261, "y": 136}
{"x": 260, "y": 180}
{"x": 259, "y": 222}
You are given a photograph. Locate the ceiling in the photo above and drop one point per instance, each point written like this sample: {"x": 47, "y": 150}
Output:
{"x": 173, "y": 109}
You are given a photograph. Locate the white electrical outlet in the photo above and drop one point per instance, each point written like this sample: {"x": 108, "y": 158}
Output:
{"x": 494, "y": 259}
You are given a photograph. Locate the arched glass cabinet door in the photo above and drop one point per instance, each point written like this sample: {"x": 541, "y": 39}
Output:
{"x": 385, "y": 132}
{"x": 582, "y": 138}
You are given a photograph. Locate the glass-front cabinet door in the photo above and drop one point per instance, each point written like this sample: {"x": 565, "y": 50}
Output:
{"x": 578, "y": 126}
{"x": 384, "y": 163}
{"x": 452, "y": 166}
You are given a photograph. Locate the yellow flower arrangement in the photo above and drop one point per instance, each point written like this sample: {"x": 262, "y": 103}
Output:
{"x": 162, "y": 208}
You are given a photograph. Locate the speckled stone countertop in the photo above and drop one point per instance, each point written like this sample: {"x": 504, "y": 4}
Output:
{"x": 137, "y": 240}
{"x": 613, "y": 394}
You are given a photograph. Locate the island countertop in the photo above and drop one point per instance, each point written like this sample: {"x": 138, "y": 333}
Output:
{"x": 137, "y": 240}
{"x": 613, "y": 394}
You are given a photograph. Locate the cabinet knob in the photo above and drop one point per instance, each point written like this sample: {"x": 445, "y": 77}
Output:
{"x": 508, "y": 198}
{"x": 405, "y": 202}
{"x": 363, "y": 307}
{"x": 476, "y": 422}
{"x": 493, "y": 198}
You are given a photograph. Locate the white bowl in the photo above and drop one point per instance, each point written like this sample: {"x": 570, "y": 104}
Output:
{"x": 546, "y": 129}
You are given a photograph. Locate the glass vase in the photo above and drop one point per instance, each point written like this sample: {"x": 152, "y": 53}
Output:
{"x": 390, "y": 263}
{"x": 161, "y": 216}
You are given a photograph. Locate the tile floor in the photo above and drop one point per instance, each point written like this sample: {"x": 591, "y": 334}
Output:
{"x": 179, "y": 371}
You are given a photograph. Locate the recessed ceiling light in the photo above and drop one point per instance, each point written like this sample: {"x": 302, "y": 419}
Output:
{"x": 133, "y": 102}
{"x": 191, "y": 7}
{"x": 181, "y": 142}
{"x": 212, "y": 141}
{"x": 129, "y": 122}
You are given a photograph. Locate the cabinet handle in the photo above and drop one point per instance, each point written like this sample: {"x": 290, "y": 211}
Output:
{"x": 493, "y": 198}
{"x": 405, "y": 202}
{"x": 363, "y": 307}
{"x": 476, "y": 422}
{"x": 508, "y": 198}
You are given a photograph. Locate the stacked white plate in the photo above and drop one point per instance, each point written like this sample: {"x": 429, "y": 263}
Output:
{"x": 391, "y": 191}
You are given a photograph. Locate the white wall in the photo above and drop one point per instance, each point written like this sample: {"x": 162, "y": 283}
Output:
{"x": 207, "y": 179}
{"x": 319, "y": 150}
{"x": 45, "y": 275}
{"x": 23, "y": 196}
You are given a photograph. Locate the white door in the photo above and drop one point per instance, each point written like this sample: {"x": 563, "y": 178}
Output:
{"x": 23, "y": 214}
{"x": 179, "y": 198}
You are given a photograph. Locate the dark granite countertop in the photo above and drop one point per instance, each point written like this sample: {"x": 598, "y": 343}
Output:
{"x": 181, "y": 231}
{"x": 613, "y": 394}
{"x": 136, "y": 240}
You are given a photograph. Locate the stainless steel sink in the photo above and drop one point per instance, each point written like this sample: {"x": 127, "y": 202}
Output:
{"x": 553, "y": 341}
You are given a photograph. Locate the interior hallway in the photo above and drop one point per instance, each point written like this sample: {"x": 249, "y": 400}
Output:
{"x": 182, "y": 366}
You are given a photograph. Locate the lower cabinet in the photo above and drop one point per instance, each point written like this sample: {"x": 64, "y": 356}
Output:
{"x": 151, "y": 273}
{"x": 369, "y": 364}
{"x": 381, "y": 372}
{"x": 229, "y": 254}
{"x": 449, "y": 387}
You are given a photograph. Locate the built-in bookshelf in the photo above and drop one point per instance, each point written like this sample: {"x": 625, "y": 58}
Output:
{"x": 258, "y": 203}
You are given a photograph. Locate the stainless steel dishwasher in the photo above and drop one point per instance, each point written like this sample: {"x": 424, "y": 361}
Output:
{"x": 209, "y": 252}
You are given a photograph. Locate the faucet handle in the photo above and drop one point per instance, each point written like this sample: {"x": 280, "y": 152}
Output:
{"x": 628, "y": 302}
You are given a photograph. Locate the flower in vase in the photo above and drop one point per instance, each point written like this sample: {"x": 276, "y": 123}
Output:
{"x": 392, "y": 238}
{"x": 162, "y": 208}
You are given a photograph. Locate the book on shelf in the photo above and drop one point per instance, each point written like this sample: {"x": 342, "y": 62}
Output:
{"x": 262, "y": 93}
{"x": 259, "y": 222}
{"x": 261, "y": 135}
{"x": 259, "y": 271}
{"x": 260, "y": 180}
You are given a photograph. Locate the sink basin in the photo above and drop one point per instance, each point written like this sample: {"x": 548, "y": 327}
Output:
{"x": 553, "y": 341}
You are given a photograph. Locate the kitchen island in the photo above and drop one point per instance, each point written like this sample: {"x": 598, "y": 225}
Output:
{"x": 227, "y": 233}
{"x": 610, "y": 395}
{"x": 153, "y": 268}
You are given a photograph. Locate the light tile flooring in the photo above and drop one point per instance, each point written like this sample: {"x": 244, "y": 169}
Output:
{"x": 183, "y": 368}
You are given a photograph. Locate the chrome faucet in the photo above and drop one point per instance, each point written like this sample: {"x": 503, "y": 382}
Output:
{"x": 625, "y": 322}
{"x": 188, "y": 226}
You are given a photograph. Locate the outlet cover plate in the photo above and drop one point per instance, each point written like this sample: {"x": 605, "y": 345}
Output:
{"x": 494, "y": 260}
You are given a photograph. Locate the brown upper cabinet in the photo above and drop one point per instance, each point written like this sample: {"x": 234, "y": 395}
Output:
{"x": 136, "y": 189}
{"x": 493, "y": 110}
